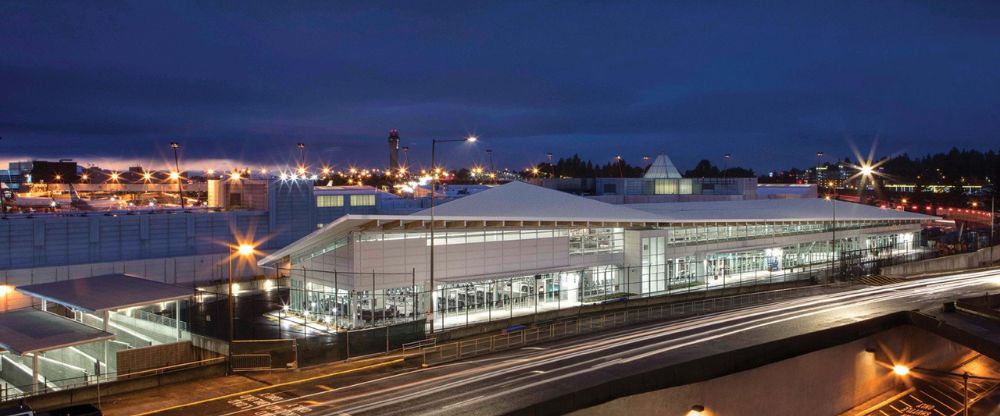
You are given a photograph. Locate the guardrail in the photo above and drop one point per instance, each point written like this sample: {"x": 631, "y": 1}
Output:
{"x": 457, "y": 350}
{"x": 250, "y": 362}
{"x": 429, "y": 342}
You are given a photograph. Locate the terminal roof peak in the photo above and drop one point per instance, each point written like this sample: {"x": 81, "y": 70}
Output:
{"x": 522, "y": 200}
{"x": 662, "y": 168}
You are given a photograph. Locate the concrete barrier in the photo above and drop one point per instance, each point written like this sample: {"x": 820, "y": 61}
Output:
{"x": 89, "y": 393}
{"x": 979, "y": 258}
{"x": 782, "y": 392}
{"x": 802, "y": 287}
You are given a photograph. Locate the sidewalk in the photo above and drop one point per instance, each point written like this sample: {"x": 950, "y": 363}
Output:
{"x": 178, "y": 395}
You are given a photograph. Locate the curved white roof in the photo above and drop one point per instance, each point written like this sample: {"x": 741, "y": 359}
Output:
{"x": 522, "y": 201}
{"x": 519, "y": 201}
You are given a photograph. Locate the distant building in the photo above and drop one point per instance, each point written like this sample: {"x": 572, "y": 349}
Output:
{"x": 394, "y": 149}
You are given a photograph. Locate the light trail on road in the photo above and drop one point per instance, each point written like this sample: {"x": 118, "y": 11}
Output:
{"x": 499, "y": 383}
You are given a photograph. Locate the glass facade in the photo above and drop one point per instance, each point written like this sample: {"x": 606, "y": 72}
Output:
{"x": 711, "y": 232}
{"x": 596, "y": 240}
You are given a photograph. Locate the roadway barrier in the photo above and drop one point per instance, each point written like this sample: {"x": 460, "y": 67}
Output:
{"x": 441, "y": 353}
{"x": 264, "y": 354}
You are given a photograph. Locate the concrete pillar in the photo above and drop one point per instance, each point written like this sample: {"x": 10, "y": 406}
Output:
{"x": 107, "y": 317}
{"x": 34, "y": 373}
{"x": 177, "y": 316}
{"x": 45, "y": 305}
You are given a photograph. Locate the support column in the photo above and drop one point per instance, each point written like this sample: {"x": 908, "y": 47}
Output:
{"x": 34, "y": 373}
{"x": 104, "y": 327}
{"x": 45, "y": 305}
{"x": 177, "y": 318}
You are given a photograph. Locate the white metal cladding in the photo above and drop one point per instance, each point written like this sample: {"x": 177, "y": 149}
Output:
{"x": 520, "y": 205}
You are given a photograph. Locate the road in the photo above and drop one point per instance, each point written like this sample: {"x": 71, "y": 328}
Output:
{"x": 511, "y": 380}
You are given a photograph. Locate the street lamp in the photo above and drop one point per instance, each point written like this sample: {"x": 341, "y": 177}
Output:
{"x": 243, "y": 250}
{"x": 177, "y": 168}
{"x": 434, "y": 142}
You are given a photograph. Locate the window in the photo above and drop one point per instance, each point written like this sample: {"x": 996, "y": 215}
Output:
{"x": 323, "y": 201}
{"x": 362, "y": 200}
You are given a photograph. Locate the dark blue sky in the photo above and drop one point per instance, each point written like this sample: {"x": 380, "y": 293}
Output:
{"x": 242, "y": 80}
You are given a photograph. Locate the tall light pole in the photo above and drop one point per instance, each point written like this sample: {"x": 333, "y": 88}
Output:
{"x": 492, "y": 168}
{"x": 725, "y": 164}
{"x": 866, "y": 173}
{"x": 3, "y": 199}
{"x": 551, "y": 166}
{"x": 833, "y": 254}
{"x": 244, "y": 250}
{"x": 177, "y": 168}
{"x": 434, "y": 142}
{"x": 993, "y": 219}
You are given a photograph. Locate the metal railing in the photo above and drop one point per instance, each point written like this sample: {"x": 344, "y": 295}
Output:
{"x": 588, "y": 324}
{"x": 250, "y": 362}
{"x": 429, "y": 342}
{"x": 158, "y": 319}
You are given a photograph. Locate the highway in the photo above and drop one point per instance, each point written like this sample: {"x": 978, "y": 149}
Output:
{"x": 511, "y": 380}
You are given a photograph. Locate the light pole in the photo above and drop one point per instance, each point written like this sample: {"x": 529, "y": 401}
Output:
{"x": 434, "y": 142}
{"x": 833, "y": 255}
{"x": 244, "y": 250}
{"x": 177, "y": 168}
{"x": 302, "y": 153}
{"x": 552, "y": 167}
{"x": 866, "y": 172}
{"x": 993, "y": 219}
{"x": 3, "y": 199}
{"x": 490, "y": 153}
{"x": 725, "y": 164}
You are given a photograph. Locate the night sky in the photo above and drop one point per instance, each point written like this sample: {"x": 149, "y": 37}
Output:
{"x": 111, "y": 81}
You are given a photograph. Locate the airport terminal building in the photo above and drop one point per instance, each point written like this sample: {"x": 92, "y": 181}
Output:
{"x": 517, "y": 249}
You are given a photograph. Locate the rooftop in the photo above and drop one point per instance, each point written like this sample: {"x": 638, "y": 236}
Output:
{"x": 106, "y": 292}
{"x": 29, "y": 330}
